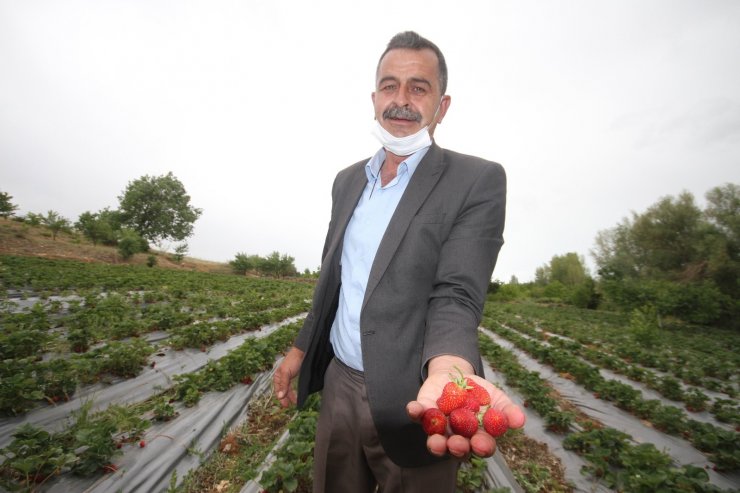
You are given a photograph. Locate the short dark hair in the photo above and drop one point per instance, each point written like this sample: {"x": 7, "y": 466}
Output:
{"x": 412, "y": 41}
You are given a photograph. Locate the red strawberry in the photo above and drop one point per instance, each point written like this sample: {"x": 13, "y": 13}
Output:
{"x": 434, "y": 422}
{"x": 471, "y": 403}
{"x": 495, "y": 422}
{"x": 453, "y": 394}
{"x": 480, "y": 393}
{"x": 463, "y": 422}
{"x": 142, "y": 444}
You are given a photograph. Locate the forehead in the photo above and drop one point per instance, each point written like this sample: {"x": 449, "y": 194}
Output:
{"x": 404, "y": 63}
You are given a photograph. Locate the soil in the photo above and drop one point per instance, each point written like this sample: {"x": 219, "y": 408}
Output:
{"x": 17, "y": 238}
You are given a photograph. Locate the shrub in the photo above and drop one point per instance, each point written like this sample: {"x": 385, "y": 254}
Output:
{"x": 131, "y": 243}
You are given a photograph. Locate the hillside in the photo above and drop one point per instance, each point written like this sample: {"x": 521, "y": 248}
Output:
{"x": 36, "y": 241}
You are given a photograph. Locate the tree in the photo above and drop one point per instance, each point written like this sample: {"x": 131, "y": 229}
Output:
{"x": 55, "y": 223}
{"x": 158, "y": 208}
{"x": 568, "y": 269}
{"x": 7, "y": 208}
{"x": 723, "y": 210}
{"x": 274, "y": 264}
{"x": 243, "y": 263}
{"x": 682, "y": 260}
{"x": 103, "y": 226}
{"x": 180, "y": 251}
{"x": 661, "y": 243}
{"x": 279, "y": 265}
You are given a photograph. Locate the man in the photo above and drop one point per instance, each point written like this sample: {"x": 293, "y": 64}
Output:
{"x": 412, "y": 242}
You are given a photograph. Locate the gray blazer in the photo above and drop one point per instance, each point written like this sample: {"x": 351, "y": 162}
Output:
{"x": 425, "y": 292}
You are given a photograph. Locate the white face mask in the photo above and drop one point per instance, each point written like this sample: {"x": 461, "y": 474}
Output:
{"x": 402, "y": 146}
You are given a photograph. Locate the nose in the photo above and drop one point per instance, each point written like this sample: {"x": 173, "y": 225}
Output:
{"x": 400, "y": 98}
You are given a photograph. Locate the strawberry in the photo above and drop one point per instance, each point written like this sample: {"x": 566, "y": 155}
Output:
{"x": 142, "y": 444}
{"x": 463, "y": 422}
{"x": 495, "y": 422}
{"x": 453, "y": 395}
{"x": 434, "y": 422}
{"x": 480, "y": 393}
{"x": 471, "y": 403}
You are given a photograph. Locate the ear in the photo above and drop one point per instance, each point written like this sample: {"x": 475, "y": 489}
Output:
{"x": 444, "y": 105}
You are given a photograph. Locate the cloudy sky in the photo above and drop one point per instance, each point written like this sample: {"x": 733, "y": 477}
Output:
{"x": 595, "y": 108}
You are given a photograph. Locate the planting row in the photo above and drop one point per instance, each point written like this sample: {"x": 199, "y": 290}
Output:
{"x": 726, "y": 410}
{"x": 50, "y": 346}
{"x": 701, "y": 356}
{"x": 722, "y": 446}
{"x": 611, "y": 456}
{"x": 88, "y": 443}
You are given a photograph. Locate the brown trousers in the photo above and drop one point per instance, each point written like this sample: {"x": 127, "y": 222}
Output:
{"x": 348, "y": 456}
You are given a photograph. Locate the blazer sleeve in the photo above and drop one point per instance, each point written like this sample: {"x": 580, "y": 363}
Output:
{"x": 466, "y": 262}
{"x": 304, "y": 335}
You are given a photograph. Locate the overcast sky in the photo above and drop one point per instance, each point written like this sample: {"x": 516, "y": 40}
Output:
{"x": 595, "y": 109}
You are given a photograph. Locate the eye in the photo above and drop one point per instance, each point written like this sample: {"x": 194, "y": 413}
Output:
{"x": 418, "y": 90}
{"x": 388, "y": 87}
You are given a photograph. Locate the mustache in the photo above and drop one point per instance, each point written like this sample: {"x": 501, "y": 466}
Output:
{"x": 401, "y": 112}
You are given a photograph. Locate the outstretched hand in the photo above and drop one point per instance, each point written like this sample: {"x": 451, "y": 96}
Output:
{"x": 481, "y": 444}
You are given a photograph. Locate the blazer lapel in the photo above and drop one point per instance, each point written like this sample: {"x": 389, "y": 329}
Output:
{"x": 422, "y": 182}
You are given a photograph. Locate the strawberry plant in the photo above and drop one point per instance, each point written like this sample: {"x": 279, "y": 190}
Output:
{"x": 292, "y": 469}
{"x": 163, "y": 410}
{"x": 32, "y": 458}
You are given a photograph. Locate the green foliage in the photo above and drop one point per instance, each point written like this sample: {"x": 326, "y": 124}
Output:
{"x": 682, "y": 260}
{"x": 293, "y": 467}
{"x": 158, "y": 208}
{"x": 131, "y": 243}
{"x": 471, "y": 476}
{"x": 644, "y": 326}
{"x": 33, "y": 219}
{"x": 55, "y": 222}
{"x": 244, "y": 263}
{"x": 700, "y": 302}
{"x": 151, "y": 261}
{"x": 100, "y": 227}
{"x": 568, "y": 269}
{"x": 275, "y": 264}
{"x": 32, "y": 458}
{"x": 508, "y": 292}
{"x": 566, "y": 280}
{"x": 7, "y": 208}
{"x": 636, "y": 468}
{"x": 180, "y": 251}
{"x": 163, "y": 410}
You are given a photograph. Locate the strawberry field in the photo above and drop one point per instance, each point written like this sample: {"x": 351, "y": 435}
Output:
{"x": 130, "y": 378}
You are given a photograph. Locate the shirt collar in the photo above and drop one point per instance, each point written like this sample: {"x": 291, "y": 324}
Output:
{"x": 372, "y": 168}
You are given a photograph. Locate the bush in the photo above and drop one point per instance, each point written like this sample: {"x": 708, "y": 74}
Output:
{"x": 701, "y": 303}
{"x": 243, "y": 263}
{"x": 131, "y": 243}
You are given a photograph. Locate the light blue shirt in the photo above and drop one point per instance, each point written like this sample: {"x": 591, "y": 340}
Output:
{"x": 361, "y": 240}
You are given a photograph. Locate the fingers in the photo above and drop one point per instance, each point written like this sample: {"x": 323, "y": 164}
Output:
{"x": 415, "y": 410}
{"x": 284, "y": 374}
{"x": 515, "y": 415}
{"x": 481, "y": 444}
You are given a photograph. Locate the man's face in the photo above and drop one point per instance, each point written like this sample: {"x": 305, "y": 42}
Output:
{"x": 407, "y": 93}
